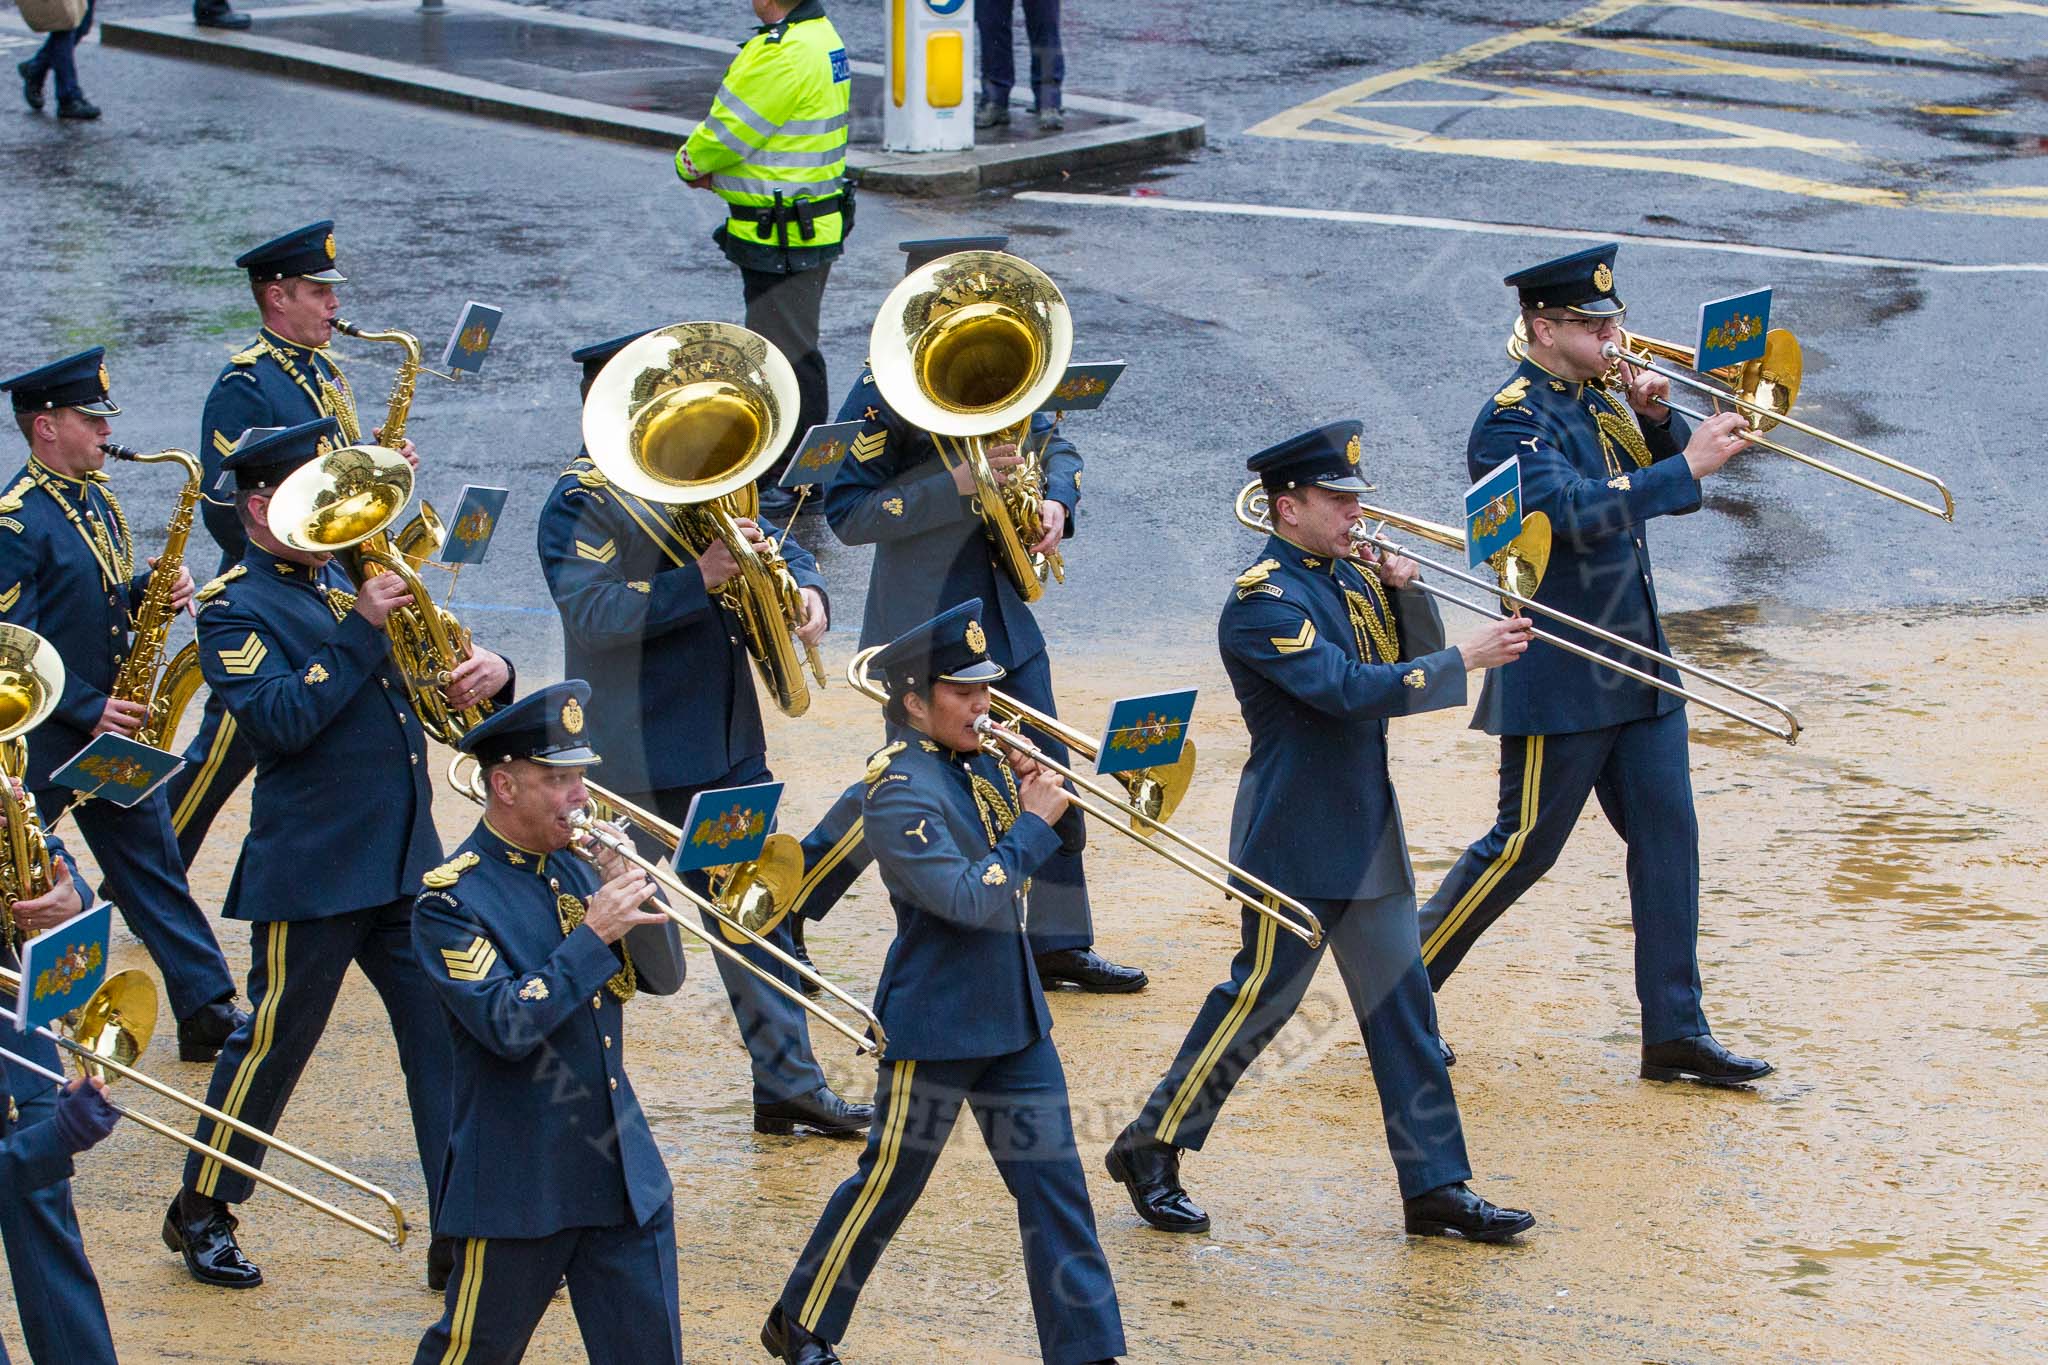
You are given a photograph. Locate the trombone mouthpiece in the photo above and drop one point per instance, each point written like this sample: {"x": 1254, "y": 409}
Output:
{"x": 1610, "y": 352}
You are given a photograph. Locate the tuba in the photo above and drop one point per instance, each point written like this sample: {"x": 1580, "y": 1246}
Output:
{"x": 967, "y": 348}
{"x": 31, "y": 679}
{"x": 144, "y": 677}
{"x": 686, "y": 418}
{"x": 344, "y": 503}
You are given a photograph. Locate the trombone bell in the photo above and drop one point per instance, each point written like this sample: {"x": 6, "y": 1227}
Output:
{"x": 117, "y": 1021}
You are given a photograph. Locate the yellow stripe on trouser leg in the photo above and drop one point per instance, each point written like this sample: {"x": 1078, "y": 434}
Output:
{"x": 856, "y": 1218}
{"x": 259, "y": 1047}
{"x": 834, "y": 856}
{"x": 462, "y": 1322}
{"x": 196, "y": 793}
{"x": 1532, "y": 796}
{"x": 1198, "y": 1075}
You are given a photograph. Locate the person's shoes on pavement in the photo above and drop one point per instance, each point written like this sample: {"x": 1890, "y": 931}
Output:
{"x": 32, "y": 77}
{"x": 989, "y": 114}
{"x": 80, "y": 108}
{"x": 219, "y": 15}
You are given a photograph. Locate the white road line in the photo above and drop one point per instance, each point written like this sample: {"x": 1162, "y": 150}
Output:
{"x": 1515, "y": 230}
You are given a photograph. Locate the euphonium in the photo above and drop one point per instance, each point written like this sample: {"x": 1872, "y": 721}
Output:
{"x": 967, "y": 348}
{"x": 31, "y": 679}
{"x": 346, "y": 501}
{"x": 686, "y": 418}
{"x": 143, "y": 676}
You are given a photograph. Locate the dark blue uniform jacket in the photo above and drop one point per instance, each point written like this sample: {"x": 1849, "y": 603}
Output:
{"x": 1599, "y": 505}
{"x": 273, "y": 383}
{"x": 1316, "y": 814}
{"x": 893, "y": 491}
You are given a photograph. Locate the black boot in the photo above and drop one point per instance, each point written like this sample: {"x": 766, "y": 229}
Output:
{"x": 201, "y": 1034}
{"x": 32, "y": 78}
{"x": 80, "y": 108}
{"x": 1699, "y": 1058}
{"x": 203, "y": 1232}
{"x": 1455, "y": 1209}
{"x": 1150, "y": 1170}
{"x": 1089, "y": 970}
{"x": 788, "y": 1342}
{"x": 821, "y": 1111}
{"x": 218, "y": 14}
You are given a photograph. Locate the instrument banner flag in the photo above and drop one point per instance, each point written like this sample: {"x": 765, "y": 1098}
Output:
{"x": 1493, "y": 513}
{"x": 1732, "y": 330}
{"x": 1145, "y": 732}
{"x": 470, "y": 342}
{"x": 1084, "y": 387}
{"x": 62, "y": 967}
{"x": 727, "y": 825}
{"x": 819, "y": 455}
{"x": 475, "y": 521}
{"x": 117, "y": 769}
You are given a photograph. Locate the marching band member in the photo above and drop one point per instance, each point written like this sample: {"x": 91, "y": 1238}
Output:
{"x": 1600, "y": 470}
{"x": 552, "y": 1171}
{"x": 68, "y": 572}
{"x": 895, "y": 492}
{"x": 677, "y": 713}
{"x": 340, "y": 831}
{"x": 958, "y": 836}
{"x": 285, "y": 377}
{"x": 1321, "y": 654}
{"x": 63, "y": 1317}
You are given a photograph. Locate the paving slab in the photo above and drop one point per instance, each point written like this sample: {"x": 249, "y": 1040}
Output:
{"x": 626, "y": 81}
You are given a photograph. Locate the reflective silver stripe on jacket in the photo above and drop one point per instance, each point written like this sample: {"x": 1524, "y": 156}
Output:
{"x": 768, "y": 189}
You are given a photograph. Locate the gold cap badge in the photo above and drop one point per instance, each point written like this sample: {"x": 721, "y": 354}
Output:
{"x": 1351, "y": 450}
{"x": 328, "y": 246}
{"x": 976, "y": 641}
{"x": 105, "y": 383}
{"x": 572, "y": 717}
{"x": 1603, "y": 278}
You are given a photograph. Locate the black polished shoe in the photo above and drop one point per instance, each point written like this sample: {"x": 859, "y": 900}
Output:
{"x": 1088, "y": 969}
{"x": 203, "y": 1232}
{"x": 1451, "y": 1209}
{"x": 80, "y": 108}
{"x": 1700, "y": 1058}
{"x": 31, "y": 82}
{"x": 441, "y": 1262}
{"x": 790, "y": 1343}
{"x": 821, "y": 1111}
{"x": 1150, "y": 1170}
{"x": 201, "y": 1035}
{"x": 803, "y": 955}
{"x": 221, "y": 15}
{"x": 1443, "y": 1050}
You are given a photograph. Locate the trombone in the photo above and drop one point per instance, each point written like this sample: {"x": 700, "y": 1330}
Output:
{"x": 1523, "y": 563}
{"x": 1121, "y": 814}
{"x": 114, "y": 1027}
{"x": 469, "y": 782}
{"x": 1154, "y": 793}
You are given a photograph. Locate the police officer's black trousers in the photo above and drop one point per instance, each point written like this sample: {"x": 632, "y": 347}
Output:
{"x": 1020, "y": 1104}
{"x": 216, "y": 762}
{"x": 63, "y": 1318}
{"x": 785, "y": 309}
{"x": 622, "y": 1284}
{"x": 138, "y": 858}
{"x": 1375, "y": 947}
{"x": 295, "y": 972}
{"x": 1640, "y": 773}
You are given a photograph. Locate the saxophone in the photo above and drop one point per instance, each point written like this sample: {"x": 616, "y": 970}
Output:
{"x": 31, "y": 679}
{"x": 142, "y": 675}
{"x": 427, "y": 641}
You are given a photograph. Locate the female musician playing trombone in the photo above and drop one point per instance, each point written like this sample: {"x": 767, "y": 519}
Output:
{"x": 1599, "y": 469}
{"x": 1320, "y": 654}
{"x": 957, "y": 834}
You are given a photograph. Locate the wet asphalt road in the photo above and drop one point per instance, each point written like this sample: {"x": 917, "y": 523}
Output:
{"x": 1898, "y": 132}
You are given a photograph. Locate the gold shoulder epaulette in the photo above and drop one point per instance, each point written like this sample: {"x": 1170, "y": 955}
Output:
{"x": 250, "y": 356}
{"x": 220, "y": 585}
{"x": 10, "y": 501}
{"x": 879, "y": 764}
{"x": 1513, "y": 393}
{"x": 446, "y": 875}
{"x": 1253, "y": 580}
